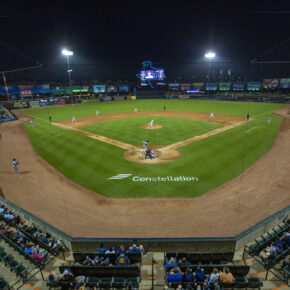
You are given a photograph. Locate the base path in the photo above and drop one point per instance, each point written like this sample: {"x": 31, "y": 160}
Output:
{"x": 225, "y": 211}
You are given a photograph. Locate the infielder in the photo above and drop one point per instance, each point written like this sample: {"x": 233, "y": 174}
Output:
{"x": 269, "y": 121}
{"x": 135, "y": 110}
{"x": 151, "y": 123}
{"x": 74, "y": 119}
{"x": 15, "y": 165}
{"x": 97, "y": 113}
{"x": 145, "y": 144}
{"x": 211, "y": 116}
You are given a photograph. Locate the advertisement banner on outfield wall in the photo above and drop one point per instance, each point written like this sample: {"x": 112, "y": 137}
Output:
{"x": 119, "y": 98}
{"x": 20, "y": 105}
{"x": 185, "y": 86}
{"x": 285, "y": 83}
{"x": 99, "y": 88}
{"x": 225, "y": 86}
{"x": 111, "y": 89}
{"x": 254, "y": 86}
{"x": 106, "y": 99}
{"x": 270, "y": 83}
{"x": 123, "y": 88}
{"x": 173, "y": 86}
{"x": 33, "y": 104}
{"x": 25, "y": 87}
{"x": 211, "y": 86}
{"x": 25, "y": 93}
{"x": 198, "y": 86}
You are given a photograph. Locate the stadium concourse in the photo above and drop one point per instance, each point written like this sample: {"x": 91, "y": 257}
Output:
{"x": 222, "y": 212}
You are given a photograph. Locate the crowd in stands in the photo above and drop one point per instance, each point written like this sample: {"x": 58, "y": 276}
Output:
{"x": 190, "y": 280}
{"x": 11, "y": 225}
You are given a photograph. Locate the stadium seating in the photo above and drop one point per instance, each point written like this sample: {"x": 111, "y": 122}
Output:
{"x": 3, "y": 283}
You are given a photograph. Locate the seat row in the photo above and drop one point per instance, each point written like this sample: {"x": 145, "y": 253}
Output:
{"x": 271, "y": 263}
{"x": 3, "y": 284}
{"x": 263, "y": 242}
{"x": 102, "y": 282}
{"x": 133, "y": 257}
{"x": 202, "y": 257}
{"x": 236, "y": 269}
{"x": 14, "y": 266}
{"x": 21, "y": 251}
{"x": 131, "y": 271}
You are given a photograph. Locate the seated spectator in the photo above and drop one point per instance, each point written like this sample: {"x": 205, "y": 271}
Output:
{"x": 88, "y": 261}
{"x": 200, "y": 275}
{"x": 189, "y": 279}
{"x": 122, "y": 250}
{"x": 28, "y": 249}
{"x": 9, "y": 215}
{"x": 214, "y": 279}
{"x": 183, "y": 262}
{"x": 286, "y": 240}
{"x": 122, "y": 260}
{"x": 104, "y": 261}
{"x": 67, "y": 276}
{"x": 80, "y": 281}
{"x": 102, "y": 249}
{"x": 285, "y": 263}
{"x": 175, "y": 277}
{"x": 135, "y": 249}
{"x": 171, "y": 263}
{"x": 279, "y": 250}
{"x": 4, "y": 231}
{"x": 112, "y": 250}
{"x": 226, "y": 276}
{"x": 54, "y": 278}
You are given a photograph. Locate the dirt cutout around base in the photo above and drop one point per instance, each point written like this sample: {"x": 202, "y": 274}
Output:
{"x": 164, "y": 154}
{"x": 149, "y": 127}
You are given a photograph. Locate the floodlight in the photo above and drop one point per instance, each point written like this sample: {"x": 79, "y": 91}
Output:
{"x": 67, "y": 52}
{"x": 209, "y": 55}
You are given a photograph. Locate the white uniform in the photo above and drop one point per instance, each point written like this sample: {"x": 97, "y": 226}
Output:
{"x": 211, "y": 116}
{"x": 135, "y": 110}
{"x": 74, "y": 119}
{"x": 268, "y": 121}
{"x": 151, "y": 123}
{"x": 32, "y": 123}
{"x": 97, "y": 113}
{"x": 145, "y": 144}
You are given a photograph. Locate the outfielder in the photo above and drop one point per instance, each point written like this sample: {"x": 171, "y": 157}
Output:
{"x": 32, "y": 123}
{"x": 151, "y": 123}
{"x": 269, "y": 121}
{"x": 74, "y": 119}
{"x": 97, "y": 113}
{"x": 211, "y": 116}
{"x": 135, "y": 110}
{"x": 145, "y": 144}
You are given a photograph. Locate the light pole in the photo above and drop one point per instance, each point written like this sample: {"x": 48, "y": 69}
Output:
{"x": 209, "y": 56}
{"x": 68, "y": 53}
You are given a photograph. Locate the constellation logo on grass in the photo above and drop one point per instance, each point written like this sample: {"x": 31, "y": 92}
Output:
{"x": 120, "y": 176}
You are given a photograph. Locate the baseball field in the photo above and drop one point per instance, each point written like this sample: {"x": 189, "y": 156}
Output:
{"x": 195, "y": 154}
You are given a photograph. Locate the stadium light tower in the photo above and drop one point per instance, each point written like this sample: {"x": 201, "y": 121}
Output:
{"x": 67, "y": 53}
{"x": 209, "y": 56}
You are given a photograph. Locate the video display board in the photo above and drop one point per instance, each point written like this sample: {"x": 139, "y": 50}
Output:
{"x": 173, "y": 86}
{"x": 270, "y": 83}
{"x": 238, "y": 86}
{"x": 225, "y": 86}
{"x": 152, "y": 74}
{"x": 99, "y": 88}
{"x": 254, "y": 86}
{"x": 285, "y": 83}
{"x": 198, "y": 86}
{"x": 211, "y": 86}
{"x": 123, "y": 88}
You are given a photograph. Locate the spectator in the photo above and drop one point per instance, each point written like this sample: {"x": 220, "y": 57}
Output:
{"x": 122, "y": 250}
{"x": 183, "y": 262}
{"x": 214, "y": 279}
{"x": 112, "y": 250}
{"x": 67, "y": 276}
{"x": 104, "y": 261}
{"x": 134, "y": 250}
{"x": 200, "y": 275}
{"x": 88, "y": 261}
{"x": 171, "y": 263}
{"x": 189, "y": 279}
{"x": 122, "y": 260}
{"x": 226, "y": 276}
{"x": 102, "y": 249}
{"x": 174, "y": 278}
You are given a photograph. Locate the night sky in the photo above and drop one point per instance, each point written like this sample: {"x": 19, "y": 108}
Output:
{"x": 110, "y": 39}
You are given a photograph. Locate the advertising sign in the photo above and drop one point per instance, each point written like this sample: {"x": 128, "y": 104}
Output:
{"x": 119, "y": 98}
{"x": 285, "y": 83}
{"x": 25, "y": 93}
{"x": 20, "y": 105}
{"x": 225, "y": 86}
{"x": 173, "y": 86}
{"x": 33, "y": 104}
{"x": 238, "y": 86}
{"x": 25, "y": 87}
{"x": 123, "y": 88}
{"x": 106, "y": 99}
{"x": 270, "y": 83}
{"x": 254, "y": 86}
{"x": 185, "y": 86}
{"x": 198, "y": 86}
{"x": 111, "y": 89}
{"x": 211, "y": 86}
{"x": 99, "y": 88}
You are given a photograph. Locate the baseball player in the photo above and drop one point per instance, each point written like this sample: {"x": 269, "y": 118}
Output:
{"x": 97, "y": 113}
{"x": 151, "y": 123}
{"x": 32, "y": 123}
{"x": 135, "y": 110}
{"x": 145, "y": 144}
{"x": 269, "y": 121}
{"x": 211, "y": 116}
{"x": 15, "y": 165}
{"x": 74, "y": 119}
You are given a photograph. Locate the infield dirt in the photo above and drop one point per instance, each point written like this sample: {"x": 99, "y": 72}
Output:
{"x": 225, "y": 211}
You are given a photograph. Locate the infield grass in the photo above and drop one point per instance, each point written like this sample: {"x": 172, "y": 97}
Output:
{"x": 214, "y": 160}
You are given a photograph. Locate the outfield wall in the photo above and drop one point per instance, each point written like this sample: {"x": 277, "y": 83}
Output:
{"x": 80, "y": 244}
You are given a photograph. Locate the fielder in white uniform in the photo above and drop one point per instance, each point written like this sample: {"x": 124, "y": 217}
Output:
{"x": 97, "y": 113}
{"x": 151, "y": 123}
{"x": 135, "y": 110}
{"x": 74, "y": 119}
{"x": 269, "y": 121}
{"x": 145, "y": 144}
{"x": 211, "y": 116}
{"x": 32, "y": 123}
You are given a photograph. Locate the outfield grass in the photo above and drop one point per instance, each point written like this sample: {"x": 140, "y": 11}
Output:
{"x": 214, "y": 160}
{"x": 129, "y": 131}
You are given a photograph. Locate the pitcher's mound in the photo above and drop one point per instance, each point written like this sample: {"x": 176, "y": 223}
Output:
{"x": 162, "y": 155}
{"x": 154, "y": 126}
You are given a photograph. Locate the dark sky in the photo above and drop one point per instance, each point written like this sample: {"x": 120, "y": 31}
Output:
{"x": 110, "y": 39}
